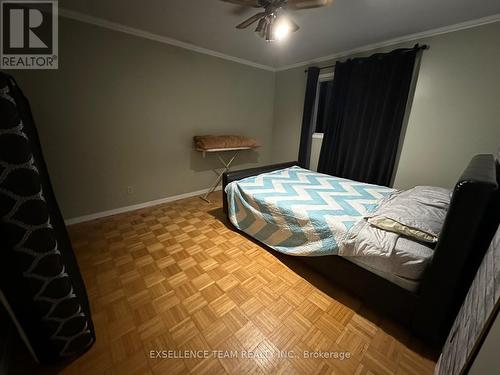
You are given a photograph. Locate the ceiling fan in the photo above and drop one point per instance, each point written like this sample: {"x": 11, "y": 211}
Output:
{"x": 272, "y": 25}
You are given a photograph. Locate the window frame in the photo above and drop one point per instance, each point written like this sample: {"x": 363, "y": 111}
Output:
{"x": 325, "y": 77}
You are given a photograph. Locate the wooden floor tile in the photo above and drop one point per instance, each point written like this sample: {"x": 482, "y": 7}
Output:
{"x": 175, "y": 277}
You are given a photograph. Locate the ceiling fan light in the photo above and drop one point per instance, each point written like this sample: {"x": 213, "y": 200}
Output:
{"x": 281, "y": 28}
{"x": 269, "y": 36}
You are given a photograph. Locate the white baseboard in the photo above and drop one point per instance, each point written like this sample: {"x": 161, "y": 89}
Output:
{"x": 134, "y": 207}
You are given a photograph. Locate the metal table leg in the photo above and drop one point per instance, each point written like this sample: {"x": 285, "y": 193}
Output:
{"x": 227, "y": 166}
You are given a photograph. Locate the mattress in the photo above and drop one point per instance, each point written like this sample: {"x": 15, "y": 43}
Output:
{"x": 304, "y": 213}
{"x": 41, "y": 286}
{"x": 404, "y": 267}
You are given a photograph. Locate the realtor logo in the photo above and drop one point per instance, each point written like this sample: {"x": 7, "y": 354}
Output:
{"x": 29, "y": 37}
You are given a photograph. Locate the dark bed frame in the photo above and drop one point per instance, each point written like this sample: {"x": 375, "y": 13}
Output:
{"x": 469, "y": 226}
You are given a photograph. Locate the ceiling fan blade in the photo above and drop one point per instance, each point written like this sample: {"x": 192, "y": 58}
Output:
{"x": 307, "y": 4}
{"x": 246, "y": 3}
{"x": 251, "y": 20}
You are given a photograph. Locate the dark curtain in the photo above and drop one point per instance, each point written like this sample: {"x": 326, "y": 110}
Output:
{"x": 40, "y": 282}
{"x": 366, "y": 115}
{"x": 307, "y": 117}
{"x": 324, "y": 99}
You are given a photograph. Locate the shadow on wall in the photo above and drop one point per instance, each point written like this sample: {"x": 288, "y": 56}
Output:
{"x": 211, "y": 161}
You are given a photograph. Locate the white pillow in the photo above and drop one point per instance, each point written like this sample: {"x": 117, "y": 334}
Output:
{"x": 417, "y": 213}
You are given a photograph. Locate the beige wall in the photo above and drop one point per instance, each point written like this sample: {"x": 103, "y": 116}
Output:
{"x": 288, "y": 108}
{"x": 121, "y": 111}
{"x": 455, "y": 113}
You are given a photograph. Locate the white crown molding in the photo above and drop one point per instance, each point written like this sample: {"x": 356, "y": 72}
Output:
{"x": 116, "y": 211}
{"x": 406, "y": 38}
{"x": 174, "y": 42}
{"x": 157, "y": 38}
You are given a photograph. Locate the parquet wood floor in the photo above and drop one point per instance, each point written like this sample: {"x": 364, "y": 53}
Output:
{"x": 175, "y": 277}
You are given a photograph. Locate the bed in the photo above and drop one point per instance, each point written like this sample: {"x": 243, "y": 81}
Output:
{"x": 303, "y": 213}
{"x": 323, "y": 220}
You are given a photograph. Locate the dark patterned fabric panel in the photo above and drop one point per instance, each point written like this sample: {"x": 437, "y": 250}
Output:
{"x": 478, "y": 309}
{"x": 37, "y": 283}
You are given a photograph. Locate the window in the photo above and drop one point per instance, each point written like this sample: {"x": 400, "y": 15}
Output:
{"x": 321, "y": 107}
{"x": 323, "y": 100}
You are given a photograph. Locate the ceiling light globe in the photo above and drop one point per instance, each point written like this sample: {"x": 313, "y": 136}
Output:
{"x": 281, "y": 29}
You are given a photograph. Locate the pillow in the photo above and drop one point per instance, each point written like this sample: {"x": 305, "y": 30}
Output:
{"x": 417, "y": 213}
{"x": 207, "y": 142}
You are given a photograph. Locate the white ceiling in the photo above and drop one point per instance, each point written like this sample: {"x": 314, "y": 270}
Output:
{"x": 346, "y": 25}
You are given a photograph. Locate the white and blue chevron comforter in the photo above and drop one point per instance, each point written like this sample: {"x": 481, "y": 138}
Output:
{"x": 301, "y": 212}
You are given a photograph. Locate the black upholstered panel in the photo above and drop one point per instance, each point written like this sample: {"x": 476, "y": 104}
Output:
{"x": 468, "y": 229}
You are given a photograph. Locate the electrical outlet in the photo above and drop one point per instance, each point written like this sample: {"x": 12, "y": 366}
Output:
{"x": 130, "y": 190}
